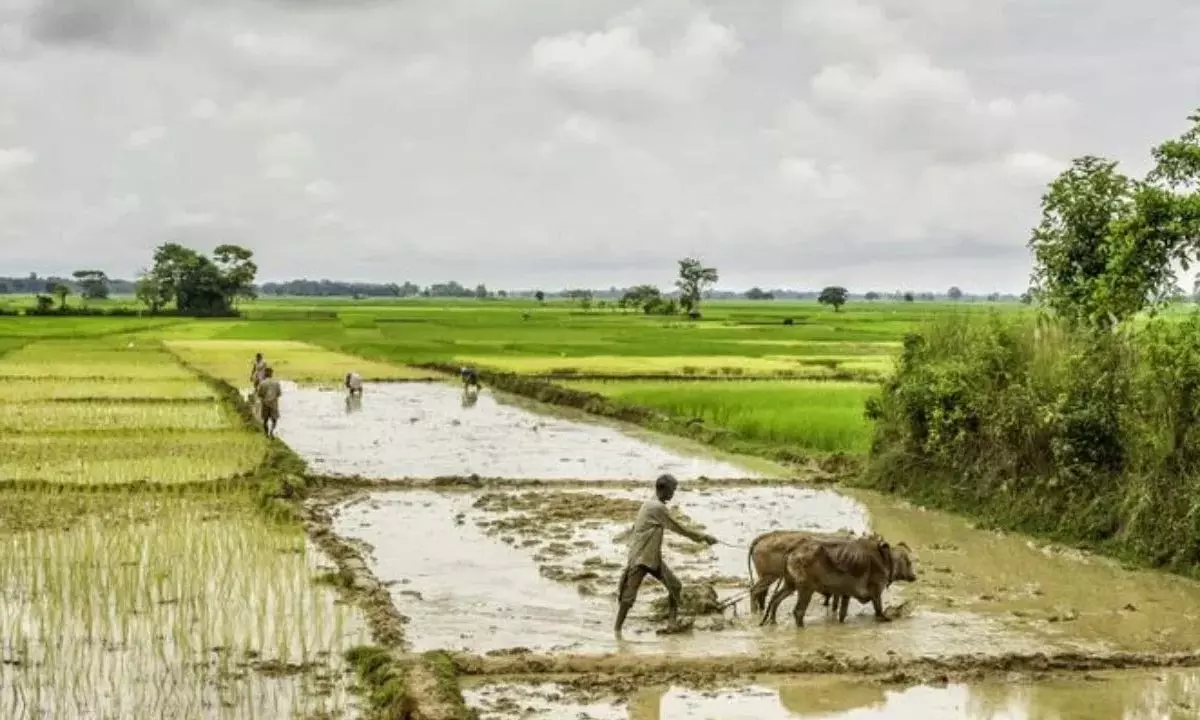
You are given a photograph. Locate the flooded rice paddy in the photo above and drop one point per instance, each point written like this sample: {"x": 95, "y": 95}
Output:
{"x": 1129, "y": 695}
{"x": 418, "y": 430}
{"x": 487, "y": 571}
{"x": 167, "y": 608}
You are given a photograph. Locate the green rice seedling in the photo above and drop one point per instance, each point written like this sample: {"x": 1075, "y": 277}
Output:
{"x": 299, "y": 362}
{"x": 122, "y": 607}
{"x": 820, "y": 416}
{"x": 132, "y": 457}
{"x": 49, "y": 388}
{"x": 113, "y": 416}
{"x": 617, "y": 365}
{"x": 91, "y": 358}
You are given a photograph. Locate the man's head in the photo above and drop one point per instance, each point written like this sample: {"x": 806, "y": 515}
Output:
{"x": 258, "y": 356}
{"x": 664, "y": 487}
{"x": 268, "y": 371}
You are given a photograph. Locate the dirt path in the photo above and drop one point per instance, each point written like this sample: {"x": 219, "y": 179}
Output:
{"x": 521, "y": 580}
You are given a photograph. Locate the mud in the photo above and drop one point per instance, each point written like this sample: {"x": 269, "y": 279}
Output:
{"x": 1132, "y": 695}
{"x": 469, "y": 582}
{"x": 377, "y": 438}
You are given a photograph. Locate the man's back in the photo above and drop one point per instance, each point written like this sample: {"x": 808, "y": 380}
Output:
{"x": 645, "y": 543}
{"x": 354, "y": 381}
{"x": 269, "y": 390}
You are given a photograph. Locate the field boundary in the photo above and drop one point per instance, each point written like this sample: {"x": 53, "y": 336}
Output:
{"x": 476, "y": 482}
{"x": 394, "y": 683}
{"x": 815, "y": 464}
{"x": 657, "y": 669}
{"x": 836, "y": 376}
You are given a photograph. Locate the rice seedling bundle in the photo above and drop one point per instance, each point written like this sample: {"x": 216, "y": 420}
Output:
{"x": 168, "y": 616}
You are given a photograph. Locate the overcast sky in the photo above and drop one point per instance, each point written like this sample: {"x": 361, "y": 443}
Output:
{"x": 540, "y": 143}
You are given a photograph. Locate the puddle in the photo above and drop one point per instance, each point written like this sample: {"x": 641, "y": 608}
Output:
{"x": 466, "y": 590}
{"x": 1129, "y": 695}
{"x": 424, "y": 431}
{"x": 169, "y": 608}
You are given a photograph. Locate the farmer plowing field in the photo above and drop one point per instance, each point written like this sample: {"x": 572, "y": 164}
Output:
{"x": 645, "y": 552}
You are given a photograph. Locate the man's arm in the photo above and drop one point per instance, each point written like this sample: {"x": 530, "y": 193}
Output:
{"x": 668, "y": 522}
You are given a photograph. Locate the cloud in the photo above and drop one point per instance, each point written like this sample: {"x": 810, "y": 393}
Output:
{"x": 888, "y": 143}
{"x": 15, "y": 158}
{"x": 617, "y": 60}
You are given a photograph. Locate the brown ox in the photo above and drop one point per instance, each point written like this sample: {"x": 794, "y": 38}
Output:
{"x": 861, "y": 568}
{"x": 768, "y": 557}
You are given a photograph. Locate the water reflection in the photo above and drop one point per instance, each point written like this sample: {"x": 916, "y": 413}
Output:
{"x": 353, "y": 403}
{"x": 1132, "y": 695}
{"x": 470, "y": 397}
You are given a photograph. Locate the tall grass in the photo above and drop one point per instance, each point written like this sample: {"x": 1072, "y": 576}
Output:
{"x": 819, "y": 416}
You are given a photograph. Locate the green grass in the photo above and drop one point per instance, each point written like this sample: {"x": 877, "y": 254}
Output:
{"x": 818, "y": 416}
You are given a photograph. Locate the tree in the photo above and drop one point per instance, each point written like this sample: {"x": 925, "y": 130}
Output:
{"x": 93, "y": 284}
{"x": 693, "y": 280}
{"x": 540, "y": 296}
{"x": 954, "y": 293}
{"x": 60, "y": 291}
{"x": 581, "y": 296}
{"x": 872, "y": 295}
{"x": 148, "y": 292}
{"x": 908, "y": 296}
{"x": 502, "y": 294}
{"x": 646, "y": 297}
{"x": 833, "y": 295}
{"x": 756, "y": 293}
{"x": 993, "y": 297}
{"x": 198, "y": 285}
{"x": 481, "y": 291}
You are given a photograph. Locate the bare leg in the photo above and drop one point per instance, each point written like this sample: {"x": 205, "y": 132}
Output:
{"x": 843, "y": 604}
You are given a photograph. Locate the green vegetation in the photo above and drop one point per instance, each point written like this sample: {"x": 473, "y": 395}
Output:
{"x": 815, "y": 416}
{"x": 1083, "y": 425}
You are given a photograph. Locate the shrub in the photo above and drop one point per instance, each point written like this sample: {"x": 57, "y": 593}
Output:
{"x": 1083, "y": 436}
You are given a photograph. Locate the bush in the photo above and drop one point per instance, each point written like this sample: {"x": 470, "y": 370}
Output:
{"x": 1086, "y": 437}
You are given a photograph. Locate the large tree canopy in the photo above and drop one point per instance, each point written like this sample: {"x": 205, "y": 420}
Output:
{"x": 198, "y": 285}
{"x": 1107, "y": 245}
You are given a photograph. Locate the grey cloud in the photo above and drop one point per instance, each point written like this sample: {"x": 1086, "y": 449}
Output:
{"x": 127, "y": 24}
{"x": 533, "y": 141}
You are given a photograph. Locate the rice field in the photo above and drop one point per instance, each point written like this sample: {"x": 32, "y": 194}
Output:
{"x": 790, "y": 366}
{"x": 231, "y": 361}
{"x": 138, "y": 607}
{"x": 105, "y": 411}
{"x": 134, "y": 457}
{"x": 821, "y": 416}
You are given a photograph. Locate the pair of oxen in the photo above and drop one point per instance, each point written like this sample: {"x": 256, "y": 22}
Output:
{"x": 839, "y": 566}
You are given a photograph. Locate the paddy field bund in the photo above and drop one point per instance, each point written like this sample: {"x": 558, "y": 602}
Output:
{"x": 426, "y": 553}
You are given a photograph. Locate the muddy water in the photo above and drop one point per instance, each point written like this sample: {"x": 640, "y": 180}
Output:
{"x": 429, "y": 430}
{"x": 466, "y": 589}
{"x": 1129, "y": 695}
{"x": 1060, "y": 593}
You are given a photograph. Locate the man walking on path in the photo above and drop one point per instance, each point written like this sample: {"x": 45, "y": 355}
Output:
{"x": 268, "y": 392}
{"x": 645, "y": 551}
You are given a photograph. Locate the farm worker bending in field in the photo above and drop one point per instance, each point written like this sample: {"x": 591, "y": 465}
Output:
{"x": 645, "y": 551}
{"x": 256, "y": 371}
{"x": 268, "y": 392}
{"x": 469, "y": 378}
{"x": 354, "y": 383}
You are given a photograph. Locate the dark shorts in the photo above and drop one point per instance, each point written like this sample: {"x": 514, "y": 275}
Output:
{"x": 632, "y": 577}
